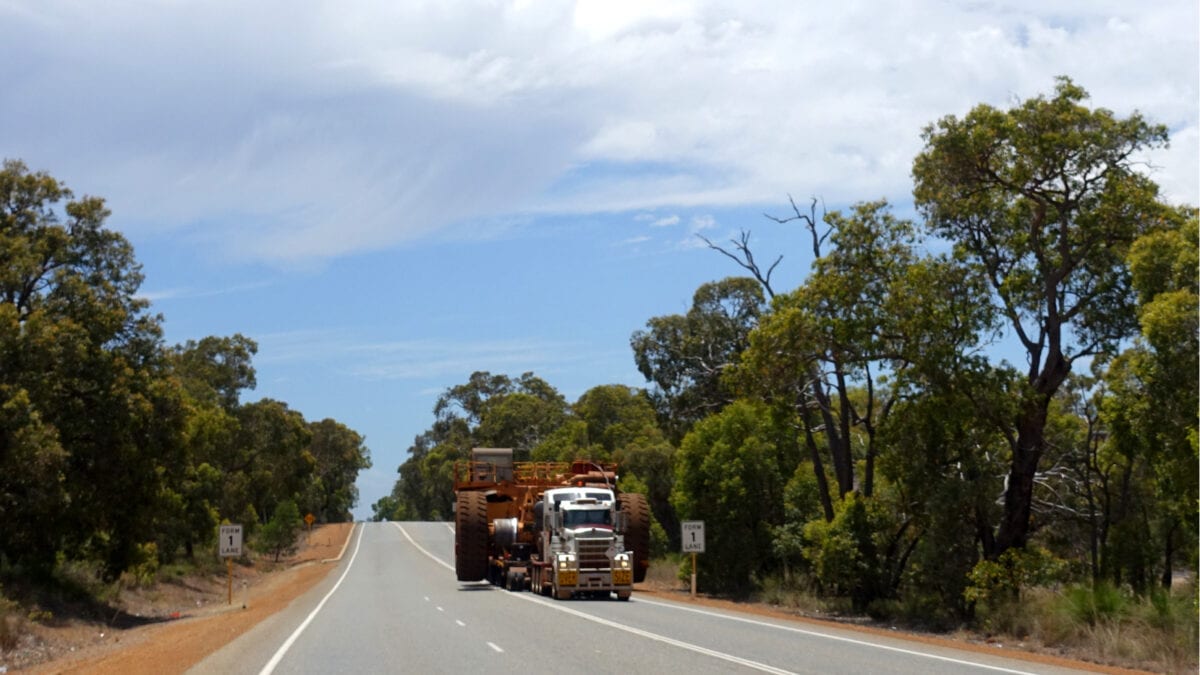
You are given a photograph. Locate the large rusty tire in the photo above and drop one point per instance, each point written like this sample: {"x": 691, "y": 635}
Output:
{"x": 470, "y": 536}
{"x": 637, "y": 533}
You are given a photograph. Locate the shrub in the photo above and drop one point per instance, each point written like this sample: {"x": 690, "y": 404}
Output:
{"x": 143, "y": 571}
{"x": 1093, "y": 604}
{"x": 996, "y": 581}
{"x": 848, "y": 555}
{"x": 279, "y": 536}
{"x": 12, "y": 624}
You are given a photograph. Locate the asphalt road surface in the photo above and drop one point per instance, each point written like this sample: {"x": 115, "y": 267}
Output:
{"x": 394, "y": 606}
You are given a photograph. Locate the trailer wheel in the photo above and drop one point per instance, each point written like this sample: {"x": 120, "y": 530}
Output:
{"x": 637, "y": 534}
{"x": 471, "y": 536}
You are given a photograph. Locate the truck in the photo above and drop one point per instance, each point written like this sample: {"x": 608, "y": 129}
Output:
{"x": 561, "y": 529}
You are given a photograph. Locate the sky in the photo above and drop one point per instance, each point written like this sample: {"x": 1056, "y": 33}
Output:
{"x": 388, "y": 196}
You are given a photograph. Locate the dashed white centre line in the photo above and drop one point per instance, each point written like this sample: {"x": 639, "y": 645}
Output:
{"x": 460, "y": 623}
{"x": 440, "y": 609}
{"x": 494, "y": 646}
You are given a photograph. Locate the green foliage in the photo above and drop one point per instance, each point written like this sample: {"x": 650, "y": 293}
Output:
{"x": 1003, "y": 579}
{"x": 143, "y": 569}
{"x": 388, "y": 508}
{"x": 339, "y": 453}
{"x": 849, "y": 555}
{"x": 685, "y": 356}
{"x": 728, "y": 474}
{"x": 1093, "y": 604}
{"x": 1045, "y": 201}
{"x": 280, "y": 536}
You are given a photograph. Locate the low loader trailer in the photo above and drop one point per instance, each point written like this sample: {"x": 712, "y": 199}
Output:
{"x": 561, "y": 529}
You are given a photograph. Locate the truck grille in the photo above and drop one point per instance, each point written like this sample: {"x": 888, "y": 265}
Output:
{"x": 593, "y": 552}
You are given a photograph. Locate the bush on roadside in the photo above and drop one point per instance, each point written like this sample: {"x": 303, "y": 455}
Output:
{"x": 280, "y": 536}
{"x": 12, "y": 624}
{"x": 1105, "y": 624}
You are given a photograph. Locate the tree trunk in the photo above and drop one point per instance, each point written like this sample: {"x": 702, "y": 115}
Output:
{"x": 1018, "y": 492}
{"x": 818, "y": 465}
{"x": 1030, "y": 444}
{"x": 1168, "y": 561}
{"x": 842, "y": 468}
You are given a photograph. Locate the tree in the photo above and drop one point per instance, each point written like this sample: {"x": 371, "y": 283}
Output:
{"x": 340, "y": 454}
{"x": 217, "y": 369}
{"x": 685, "y": 356}
{"x": 836, "y": 347}
{"x": 1148, "y": 408}
{"x": 1044, "y": 201}
{"x": 94, "y": 417}
{"x": 281, "y": 534}
{"x": 212, "y": 373}
{"x": 730, "y": 472}
{"x": 273, "y": 456}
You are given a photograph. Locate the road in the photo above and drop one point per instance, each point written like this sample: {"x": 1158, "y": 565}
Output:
{"x": 394, "y": 605}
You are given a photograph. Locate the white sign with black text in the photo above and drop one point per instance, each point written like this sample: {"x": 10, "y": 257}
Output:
{"x": 230, "y": 543}
{"x": 692, "y": 532}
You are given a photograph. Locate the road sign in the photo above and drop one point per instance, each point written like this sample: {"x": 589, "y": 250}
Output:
{"x": 692, "y": 534}
{"x": 309, "y": 519}
{"x": 230, "y": 542}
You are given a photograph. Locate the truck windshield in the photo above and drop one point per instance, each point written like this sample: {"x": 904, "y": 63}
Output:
{"x": 575, "y": 518}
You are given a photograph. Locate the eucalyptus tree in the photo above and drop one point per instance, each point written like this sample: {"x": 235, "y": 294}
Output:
{"x": 686, "y": 356}
{"x": 340, "y": 453}
{"x": 1044, "y": 200}
{"x": 731, "y": 472}
{"x": 874, "y": 318}
{"x": 1148, "y": 406}
{"x": 88, "y": 414}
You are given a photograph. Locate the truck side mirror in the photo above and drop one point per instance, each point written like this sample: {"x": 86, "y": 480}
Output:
{"x": 622, "y": 521}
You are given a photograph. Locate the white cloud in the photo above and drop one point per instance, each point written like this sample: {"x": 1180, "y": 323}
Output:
{"x": 285, "y": 134}
{"x": 666, "y": 221}
{"x": 413, "y": 359}
{"x": 701, "y": 223}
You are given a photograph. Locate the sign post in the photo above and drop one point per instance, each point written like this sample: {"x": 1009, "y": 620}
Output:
{"x": 309, "y": 520}
{"x": 692, "y": 536}
{"x": 229, "y": 546}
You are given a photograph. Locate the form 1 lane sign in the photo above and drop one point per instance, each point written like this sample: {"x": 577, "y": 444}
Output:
{"x": 230, "y": 543}
{"x": 692, "y": 536}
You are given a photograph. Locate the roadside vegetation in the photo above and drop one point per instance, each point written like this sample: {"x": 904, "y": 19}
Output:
{"x": 120, "y": 455}
{"x": 855, "y": 446}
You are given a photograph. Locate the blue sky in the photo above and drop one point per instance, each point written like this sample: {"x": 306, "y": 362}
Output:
{"x": 388, "y": 196}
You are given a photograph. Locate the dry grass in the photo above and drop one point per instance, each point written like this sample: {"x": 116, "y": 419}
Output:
{"x": 1105, "y": 625}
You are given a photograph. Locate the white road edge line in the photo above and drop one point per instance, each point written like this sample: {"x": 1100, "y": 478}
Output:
{"x": 864, "y": 643}
{"x": 839, "y": 638}
{"x": 287, "y": 644}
